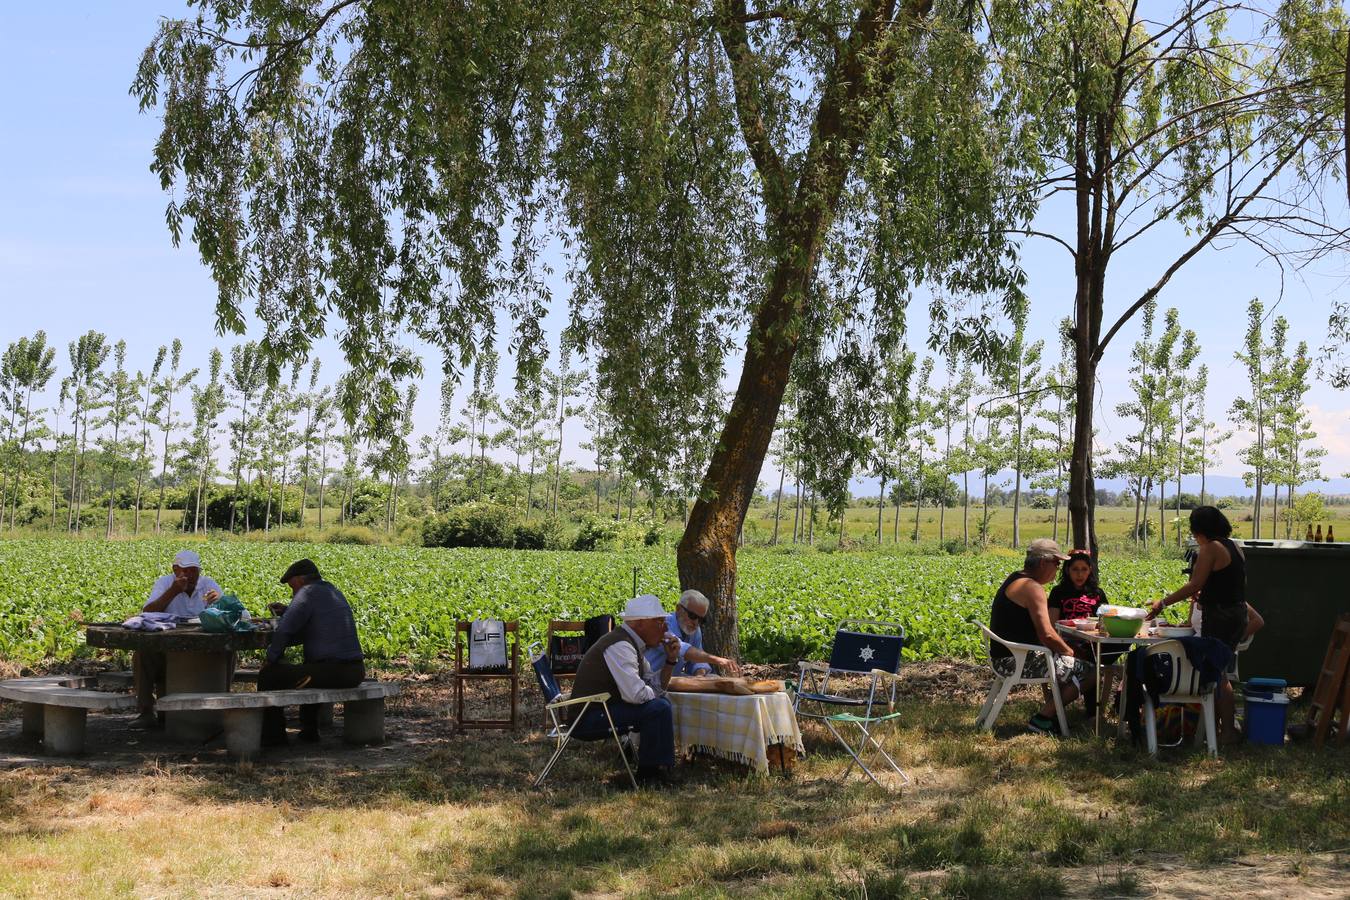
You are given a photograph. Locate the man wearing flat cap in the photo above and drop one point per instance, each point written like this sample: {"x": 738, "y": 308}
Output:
{"x": 1020, "y": 614}
{"x": 184, "y": 593}
{"x": 320, "y": 619}
{"x": 616, "y": 664}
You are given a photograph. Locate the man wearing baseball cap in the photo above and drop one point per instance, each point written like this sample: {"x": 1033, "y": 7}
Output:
{"x": 1020, "y": 614}
{"x": 185, "y": 592}
{"x": 616, "y": 664}
{"x": 319, "y": 618}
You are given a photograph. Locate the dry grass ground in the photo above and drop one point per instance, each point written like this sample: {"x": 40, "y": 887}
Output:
{"x": 434, "y": 813}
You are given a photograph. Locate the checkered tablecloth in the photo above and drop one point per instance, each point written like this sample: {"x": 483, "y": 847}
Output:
{"x": 735, "y": 728}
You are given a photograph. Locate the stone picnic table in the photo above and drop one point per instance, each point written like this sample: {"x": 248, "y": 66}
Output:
{"x": 197, "y": 661}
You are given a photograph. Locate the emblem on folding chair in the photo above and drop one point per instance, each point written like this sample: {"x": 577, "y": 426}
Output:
{"x": 865, "y": 654}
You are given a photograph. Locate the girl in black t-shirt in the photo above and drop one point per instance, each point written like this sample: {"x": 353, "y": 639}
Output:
{"x": 1077, "y": 596}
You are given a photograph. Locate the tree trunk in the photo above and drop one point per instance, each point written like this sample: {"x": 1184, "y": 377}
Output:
{"x": 797, "y": 505}
{"x": 1017, "y": 471}
{"x": 164, "y": 466}
{"x": 965, "y": 509}
{"x": 529, "y": 488}
{"x": 881, "y": 508}
{"x": 811, "y": 536}
{"x": 1081, "y": 504}
{"x": 112, "y": 487}
{"x": 796, "y": 228}
{"x": 55, "y": 453}
{"x": 23, "y": 442}
{"x": 895, "y": 526}
{"x": 74, "y": 463}
{"x": 918, "y": 496}
{"x": 778, "y": 505}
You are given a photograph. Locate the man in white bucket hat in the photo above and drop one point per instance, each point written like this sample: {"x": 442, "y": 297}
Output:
{"x": 616, "y": 665}
{"x": 185, "y": 592}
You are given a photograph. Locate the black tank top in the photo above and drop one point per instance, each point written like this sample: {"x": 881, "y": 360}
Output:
{"x": 1010, "y": 621}
{"x": 1226, "y": 587}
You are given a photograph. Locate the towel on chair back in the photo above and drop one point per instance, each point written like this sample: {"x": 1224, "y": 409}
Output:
{"x": 487, "y": 644}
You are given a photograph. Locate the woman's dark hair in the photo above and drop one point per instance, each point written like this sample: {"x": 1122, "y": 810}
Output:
{"x": 1210, "y": 522}
{"x": 1091, "y": 583}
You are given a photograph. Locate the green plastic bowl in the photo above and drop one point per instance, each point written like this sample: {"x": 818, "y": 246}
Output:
{"x": 1121, "y": 627}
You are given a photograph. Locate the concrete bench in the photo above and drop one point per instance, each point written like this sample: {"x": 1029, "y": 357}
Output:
{"x": 362, "y": 719}
{"x": 55, "y": 708}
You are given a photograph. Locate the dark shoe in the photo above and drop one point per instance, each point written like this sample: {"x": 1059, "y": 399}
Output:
{"x": 1039, "y": 724}
{"x": 309, "y": 737}
{"x": 146, "y": 721}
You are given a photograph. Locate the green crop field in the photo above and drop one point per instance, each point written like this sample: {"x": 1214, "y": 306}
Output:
{"x": 407, "y": 599}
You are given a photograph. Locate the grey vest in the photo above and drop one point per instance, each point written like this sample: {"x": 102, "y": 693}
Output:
{"x": 593, "y": 675}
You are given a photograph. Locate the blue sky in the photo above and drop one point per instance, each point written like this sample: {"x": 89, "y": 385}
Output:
{"x": 83, "y": 242}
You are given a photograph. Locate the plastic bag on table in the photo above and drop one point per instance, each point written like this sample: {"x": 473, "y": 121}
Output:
{"x": 225, "y": 615}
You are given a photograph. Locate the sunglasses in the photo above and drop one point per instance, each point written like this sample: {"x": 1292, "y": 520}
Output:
{"x": 693, "y": 615}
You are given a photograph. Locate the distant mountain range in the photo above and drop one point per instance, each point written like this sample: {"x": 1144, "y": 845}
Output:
{"x": 1215, "y": 485}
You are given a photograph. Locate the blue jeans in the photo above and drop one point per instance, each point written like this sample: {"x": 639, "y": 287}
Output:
{"x": 654, "y": 721}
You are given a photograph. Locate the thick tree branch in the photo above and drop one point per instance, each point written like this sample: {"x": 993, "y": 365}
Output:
{"x": 750, "y": 105}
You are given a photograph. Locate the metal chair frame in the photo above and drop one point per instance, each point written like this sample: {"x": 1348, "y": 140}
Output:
{"x": 813, "y": 687}
{"x": 561, "y": 732}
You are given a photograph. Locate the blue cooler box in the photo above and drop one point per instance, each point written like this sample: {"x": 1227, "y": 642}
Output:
{"x": 1267, "y": 703}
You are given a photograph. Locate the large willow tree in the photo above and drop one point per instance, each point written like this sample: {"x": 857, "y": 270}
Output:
{"x": 722, "y": 182}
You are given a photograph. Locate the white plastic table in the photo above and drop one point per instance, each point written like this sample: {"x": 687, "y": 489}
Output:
{"x": 1099, "y": 638}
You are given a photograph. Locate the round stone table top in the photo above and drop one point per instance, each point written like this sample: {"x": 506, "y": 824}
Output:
{"x": 183, "y": 639}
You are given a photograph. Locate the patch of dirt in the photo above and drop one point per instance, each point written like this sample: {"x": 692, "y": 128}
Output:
{"x": 1314, "y": 876}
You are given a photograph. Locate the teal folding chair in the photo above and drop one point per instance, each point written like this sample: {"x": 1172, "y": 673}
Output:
{"x": 862, "y": 647}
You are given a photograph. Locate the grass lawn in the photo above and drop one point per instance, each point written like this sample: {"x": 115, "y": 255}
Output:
{"x": 433, "y": 814}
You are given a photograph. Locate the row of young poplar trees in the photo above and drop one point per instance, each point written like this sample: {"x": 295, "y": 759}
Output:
{"x": 946, "y": 425}
{"x": 84, "y": 438}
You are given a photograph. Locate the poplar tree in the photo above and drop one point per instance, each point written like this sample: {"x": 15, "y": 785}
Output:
{"x": 245, "y": 378}
{"x": 1252, "y": 411}
{"x": 83, "y": 387}
{"x": 34, "y": 366}
{"x": 122, "y": 392}
{"x": 147, "y": 419}
{"x": 166, "y": 390}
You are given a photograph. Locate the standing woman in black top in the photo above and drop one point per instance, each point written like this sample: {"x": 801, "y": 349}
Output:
{"x": 1219, "y": 585}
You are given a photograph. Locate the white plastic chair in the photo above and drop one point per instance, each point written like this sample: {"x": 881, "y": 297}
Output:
{"x": 1185, "y": 689}
{"x": 998, "y": 691}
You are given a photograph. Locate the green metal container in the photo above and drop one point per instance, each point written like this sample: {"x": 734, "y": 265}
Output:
{"x": 1299, "y": 587}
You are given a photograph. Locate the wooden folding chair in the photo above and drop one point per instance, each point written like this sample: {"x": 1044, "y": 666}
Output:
{"x": 463, "y": 674}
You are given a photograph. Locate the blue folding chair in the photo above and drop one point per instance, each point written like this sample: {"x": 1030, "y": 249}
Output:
{"x": 556, "y": 703}
{"x": 862, "y": 647}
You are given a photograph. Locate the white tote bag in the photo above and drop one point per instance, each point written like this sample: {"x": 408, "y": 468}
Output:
{"x": 487, "y": 644}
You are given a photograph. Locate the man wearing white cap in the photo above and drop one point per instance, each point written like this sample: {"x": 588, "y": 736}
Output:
{"x": 616, "y": 665}
{"x": 185, "y": 592}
